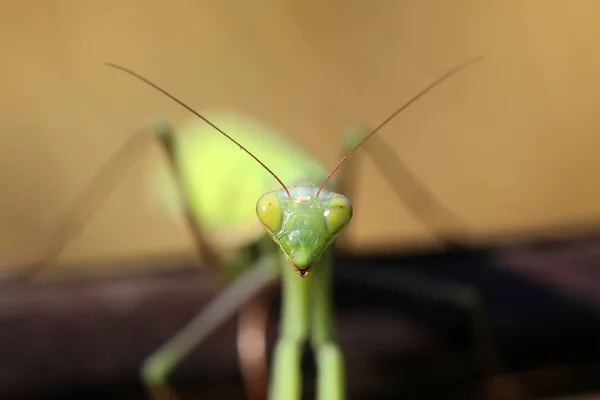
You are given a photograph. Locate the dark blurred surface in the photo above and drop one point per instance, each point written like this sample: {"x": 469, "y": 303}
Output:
{"x": 86, "y": 338}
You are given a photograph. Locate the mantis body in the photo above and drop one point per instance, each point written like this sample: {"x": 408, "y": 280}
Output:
{"x": 303, "y": 221}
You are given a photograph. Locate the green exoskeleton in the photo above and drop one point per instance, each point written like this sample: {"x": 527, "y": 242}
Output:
{"x": 303, "y": 220}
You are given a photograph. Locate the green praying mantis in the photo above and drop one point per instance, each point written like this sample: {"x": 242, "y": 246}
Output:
{"x": 297, "y": 227}
{"x": 303, "y": 220}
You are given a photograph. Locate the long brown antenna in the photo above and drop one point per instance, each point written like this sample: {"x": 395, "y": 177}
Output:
{"x": 398, "y": 111}
{"x": 196, "y": 113}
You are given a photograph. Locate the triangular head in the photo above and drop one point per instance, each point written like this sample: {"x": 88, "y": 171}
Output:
{"x": 303, "y": 224}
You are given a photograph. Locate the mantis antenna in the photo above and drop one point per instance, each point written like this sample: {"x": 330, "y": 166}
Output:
{"x": 398, "y": 111}
{"x": 196, "y": 113}
{"x": 430, "y": 87}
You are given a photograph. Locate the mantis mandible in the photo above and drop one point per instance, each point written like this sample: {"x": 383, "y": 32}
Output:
{"x": 303, "y": 221}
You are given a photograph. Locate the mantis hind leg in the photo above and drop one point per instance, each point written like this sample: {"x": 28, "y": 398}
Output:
{"x": 331, "y": 383}
{"x": 286, "y": 371}
{"x": 446, "y": 226}
{"x": 79, "y": 212}
{"x": 82, "y": 209}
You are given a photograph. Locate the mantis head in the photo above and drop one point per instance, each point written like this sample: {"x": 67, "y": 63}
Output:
{"x": 305, "y": 223}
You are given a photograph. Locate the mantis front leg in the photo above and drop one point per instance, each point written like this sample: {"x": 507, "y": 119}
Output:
{"x": 331, "y": 380}
{"x": 286, "y": 375}
{"x": 307, "y": 308}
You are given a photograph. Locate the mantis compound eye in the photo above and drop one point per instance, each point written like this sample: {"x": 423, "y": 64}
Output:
{"x": 270, "y": 214}
{"x": 338, "y": 214}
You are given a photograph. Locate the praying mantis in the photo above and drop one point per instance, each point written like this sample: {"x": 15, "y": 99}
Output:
{"x": 303, "y": 221}
{"x": 300, "y": 222}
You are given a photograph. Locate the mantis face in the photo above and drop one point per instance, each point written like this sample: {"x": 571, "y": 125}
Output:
{"x": 303, "y": 225}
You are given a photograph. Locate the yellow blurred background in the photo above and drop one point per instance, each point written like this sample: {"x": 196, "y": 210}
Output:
{"x": 509, "y": 144}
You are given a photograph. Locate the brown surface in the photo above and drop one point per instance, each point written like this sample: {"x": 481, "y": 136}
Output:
{"x": 572, "y": 267}
{"x": 104, "y": 326}
{"x": 93, "y": 334}
{"x": 96, "y": 332}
